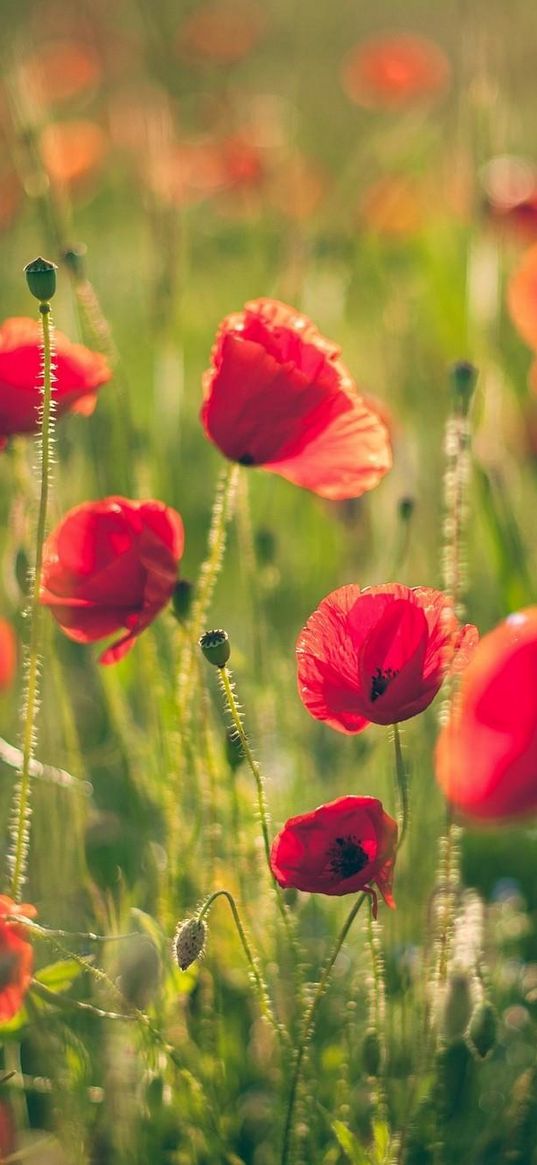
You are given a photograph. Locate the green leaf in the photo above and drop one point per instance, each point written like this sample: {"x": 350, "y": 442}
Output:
{"x": 11, "y": 1027}
{"x": 350, "y": 1145}
{"x": 57, "y": 977}
{"x": 381, "y": 1141}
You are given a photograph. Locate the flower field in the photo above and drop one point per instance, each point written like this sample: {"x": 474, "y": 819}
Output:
{"x": 268, "y": 618}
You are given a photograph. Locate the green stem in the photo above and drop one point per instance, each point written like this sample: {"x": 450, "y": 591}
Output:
{"x": 210, "y": 570}
{"x": 401, "y": 776}
{"x": 226, "y": 683}
{"x": 307, "y": 1028}
{"x": 260, "y": 985}
{"x": 20, "y": 832}
{"x": 378, "y": 1010}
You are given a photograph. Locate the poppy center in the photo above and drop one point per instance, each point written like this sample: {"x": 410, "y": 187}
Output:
{"x": 380, "y": 681}
{"x": 346, "y": 857}
{"x": 246, "y": 459}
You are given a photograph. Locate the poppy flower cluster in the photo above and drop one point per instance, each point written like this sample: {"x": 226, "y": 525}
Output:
{"x": 486, "y": 756}
{"x": 111, "y": 566}
{"x": 379, "y": 655}
{"x": 278, "y": 396}
{"x": 340, "y": 848}
{"x": 79, "y": 374}
{"x": 16, "y": 958}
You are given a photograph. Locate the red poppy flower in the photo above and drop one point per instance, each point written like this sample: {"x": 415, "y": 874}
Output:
{"x": 79, "y": 374}
{"x": 522, "y": 297}
{"x": 395, "y": 70}
{"x": 221, "y": 32}
{"x": 486, "y": 757}
{"x": 278, "y": 396}
{"x": 378, "y": 655}
{"x": 111, "y": 565}
{"x": 8, "y": 654}
{"x": 339, "y": 848}
{"x": 16, "y": 958}
{"x": 73, "y": 151}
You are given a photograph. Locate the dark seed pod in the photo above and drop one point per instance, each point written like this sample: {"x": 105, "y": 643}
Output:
{"x": 189, "y": 941}
{"x": 41, "y": 278}
{"x": 216, "y": 647}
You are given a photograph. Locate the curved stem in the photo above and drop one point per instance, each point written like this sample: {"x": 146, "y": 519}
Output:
{"x": 307, "y": 1028}
{"x": 401, "y": 777}
{"x": 261, "y": 988}
{"x": 20, "y": 832}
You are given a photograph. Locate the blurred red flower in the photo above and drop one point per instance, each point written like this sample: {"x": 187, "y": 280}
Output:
{"x": 111, "y": 565}
{"x": 339, "y": 848}
{"x": 8, "y": 654}
{"x": 278, "y": 396}
{"x": 16, "y": 958}
{"x": 78, "y": 371}
{"x": 73, "y": 151}
{"x": 61, "y": 70}
{"x": 395, "y": 70}
{"x": 522, "y": 297}
{"x": 486, "y": 756}
{"x": 221, "y": 32}
{"x": 378, "y": 655}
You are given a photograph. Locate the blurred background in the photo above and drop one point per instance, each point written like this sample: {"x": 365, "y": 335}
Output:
{"x": 376, "y": 167}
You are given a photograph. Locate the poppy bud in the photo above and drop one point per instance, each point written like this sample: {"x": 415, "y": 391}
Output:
{"x": 75, "y": 259}
{"x": 406, "y": 508}
{"x": 463, "y": 376}
{"x": 234, "y": 750}
{"x": 482, "y": 1029}
{"x": 216, "y": 647}
{"x": 457, "y": 1006}
{"x": 371, "y": 1053}
{"x": 188, "y": 942}
{"x": 41, "y": 278}
{"x": 182, "y": 599}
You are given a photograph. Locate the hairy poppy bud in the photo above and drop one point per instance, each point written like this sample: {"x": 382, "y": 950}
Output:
{"x": 216, "y": 647}
{"x": 463, "y": 376}
{"x": 188, "y": 942}
{"x": 371, "y": 1053}
{"x": 481, "y": 1032}
{"x": 182, "y": 599}
{"x": 457, "y": 1006}
{"x": 406, "y": 507}
{"x": 41, "y": 278}
{"x": 74, "y": 258}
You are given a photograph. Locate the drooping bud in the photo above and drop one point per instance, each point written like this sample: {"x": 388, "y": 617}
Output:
{"x": 189, "y": 941}
{"x": 482, "y": 1029}
{"x": 216, "y": 647}
{"x": 41, "y": 278}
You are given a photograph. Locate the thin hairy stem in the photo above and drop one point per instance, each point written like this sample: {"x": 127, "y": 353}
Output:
{"x": 253, "y": 964}
{"x": 20, "y": 826}
{"x": 401, "y": 778}
{"x": 307, "y": 1029}
{"x": 221, "y": 514}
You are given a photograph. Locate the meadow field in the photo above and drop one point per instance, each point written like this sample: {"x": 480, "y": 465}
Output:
{"x": 268, "y": 380}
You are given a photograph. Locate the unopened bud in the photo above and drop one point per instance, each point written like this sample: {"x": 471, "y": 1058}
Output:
{"x": 234, "y": 750}
{"x": 188, "y": 942}
{"x": 406, "y": 508}
{"x": 182, "y": 599}
{"x": 216, "y": 647}
{"x": 265, "y": 545}
{"x": 463, "y": 376}
{"x": 482, "y": 1029}
{"x": 457, "y": 1006}
{"x": 75, "y": 259}
{"x": 41, "y": 278}
{"x": 371, "y": 1053}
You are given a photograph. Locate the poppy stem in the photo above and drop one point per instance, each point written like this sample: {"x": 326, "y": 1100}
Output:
{"x": 253, "y": 963}
{"x": 20, "y": 823}
{"x": 307, "y": 1028}
{"x": 401, "y": 777}
{"x": 222, "y": 512}
{"x": 377, "y": 1011}
{"x": 227, "y": 686}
